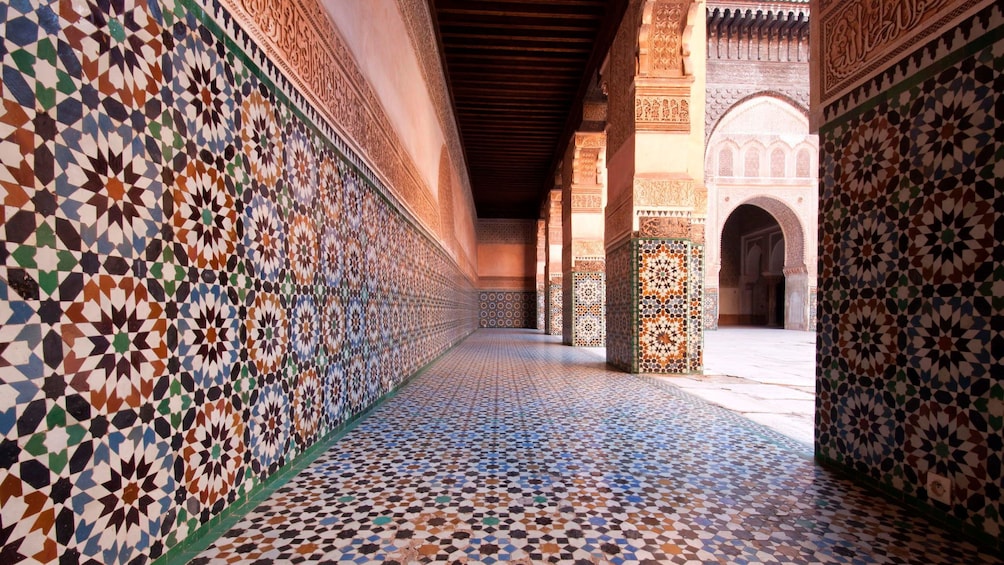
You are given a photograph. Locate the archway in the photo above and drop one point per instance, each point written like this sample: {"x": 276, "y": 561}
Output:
{"x": 762, "y": 276}
{"x": 760, "y": 153}
{"x": 752, "y": 269}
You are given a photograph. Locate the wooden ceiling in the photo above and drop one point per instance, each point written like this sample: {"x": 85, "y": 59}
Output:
{"x": 517, "y": 71}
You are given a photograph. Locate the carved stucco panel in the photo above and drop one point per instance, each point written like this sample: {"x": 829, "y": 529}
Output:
{"x": 424, "y": 43}
{"x": 668, "y": 227}
{"x": 587, "y": 248}
{"x": 664, "y": 193}
{"x": 302, "y": 41}
{"x": 860, "y": 37}
{"x": 506, "y": 231}
{"x": 585, "y": 166}
{"x": 587, "y": 201}
{"x": 660, "y": 41}
{"x": 590, "y": 266}
{"x": 663, "y": 112}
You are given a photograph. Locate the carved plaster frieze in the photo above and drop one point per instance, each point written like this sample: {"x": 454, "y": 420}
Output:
{"x": 697, "y": 229}
{"x": 655, "y": 226}
{"x": 585, "y": 166}
{"x": 445, "y": 196}
{"x": 594, "y": 112}
{"x": 420, "y": 26}
{"x": 587, "y": 248}
{"x": 796, "y": 270}
{"x": 304, "y": 44}
{"x": 660, "y": 40}
{"x": 619, "y": 78}
{"x": 590, "y": 266}
{"x": 664, "y": 192}
{"x": 590, "y": 140}
{"x": 587, "y": 202}
{"x": 700, "y": 200}
{"x": 860, "y": 37}
{"x": 505, "y": 231}
{"x": 662, "y": 113}
{"x": 663, "y": 212}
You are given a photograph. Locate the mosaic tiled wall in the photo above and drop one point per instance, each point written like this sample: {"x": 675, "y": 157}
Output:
{"x": 589, "y": 294}
{"x": 554, "y": 308}
{"x": 621, "y": 298}
{"x": 655, "y": 319}
{"x": 507, "y": 309}
{"x": 567, "y": 314}
{"x": 541, "y": 308}
{"x": 710, "y": 308}
{"x": 910, "y": 302}
{"x": 670, "y": 305}
{"x": 196, "y": 284}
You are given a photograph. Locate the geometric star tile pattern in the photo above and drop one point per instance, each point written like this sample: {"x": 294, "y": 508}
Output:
{"x": 554, "y": 307}
{"x": 192, "y": 286}
{"x": 514, "y": 448}
{"x": 588, "y": 312}
{"x": 507, "y": 309}
{"x": 655, "y": 306}
{"x": 909, "y": 376}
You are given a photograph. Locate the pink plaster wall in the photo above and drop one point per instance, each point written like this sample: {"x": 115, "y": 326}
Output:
{"x": 377, "y": 34}
{"x": 507, "y": 265}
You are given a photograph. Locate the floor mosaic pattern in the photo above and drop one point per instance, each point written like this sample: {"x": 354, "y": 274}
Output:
{"x": 515, "y": 448}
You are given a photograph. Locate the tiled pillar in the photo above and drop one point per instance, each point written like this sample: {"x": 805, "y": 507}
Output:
{"x": 589, "y": 303}
{"x": 552, "y": 267}
{"x": 584, "y": 294}
{"x": 656, "y": 199}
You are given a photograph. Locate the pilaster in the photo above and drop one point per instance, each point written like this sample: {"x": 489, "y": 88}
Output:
{"x": 584, "y": 294}
{"x": 541, "y": 278}
{"x": 658, "y": 202}
{"x": 552, "y": 267}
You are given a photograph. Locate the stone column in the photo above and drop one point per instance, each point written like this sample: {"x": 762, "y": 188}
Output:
{"x": 552, "y": 267}
{"x": 657, "y": 201}
{"x": 584, "y": 283}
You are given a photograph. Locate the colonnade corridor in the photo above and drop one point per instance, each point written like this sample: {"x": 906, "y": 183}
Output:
{"x": 514, "y": 448}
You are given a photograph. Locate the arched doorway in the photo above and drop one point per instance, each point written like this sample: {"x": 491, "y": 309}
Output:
{"x": 762, "y": 274}
{"x": 751, "y": 279}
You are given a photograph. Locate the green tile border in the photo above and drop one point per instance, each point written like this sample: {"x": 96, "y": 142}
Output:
{"x": 632, "y": 274}
{"x": 204, "y": 536}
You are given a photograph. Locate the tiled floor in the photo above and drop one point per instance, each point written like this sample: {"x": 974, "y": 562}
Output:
{"x": 515, "y": 448}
